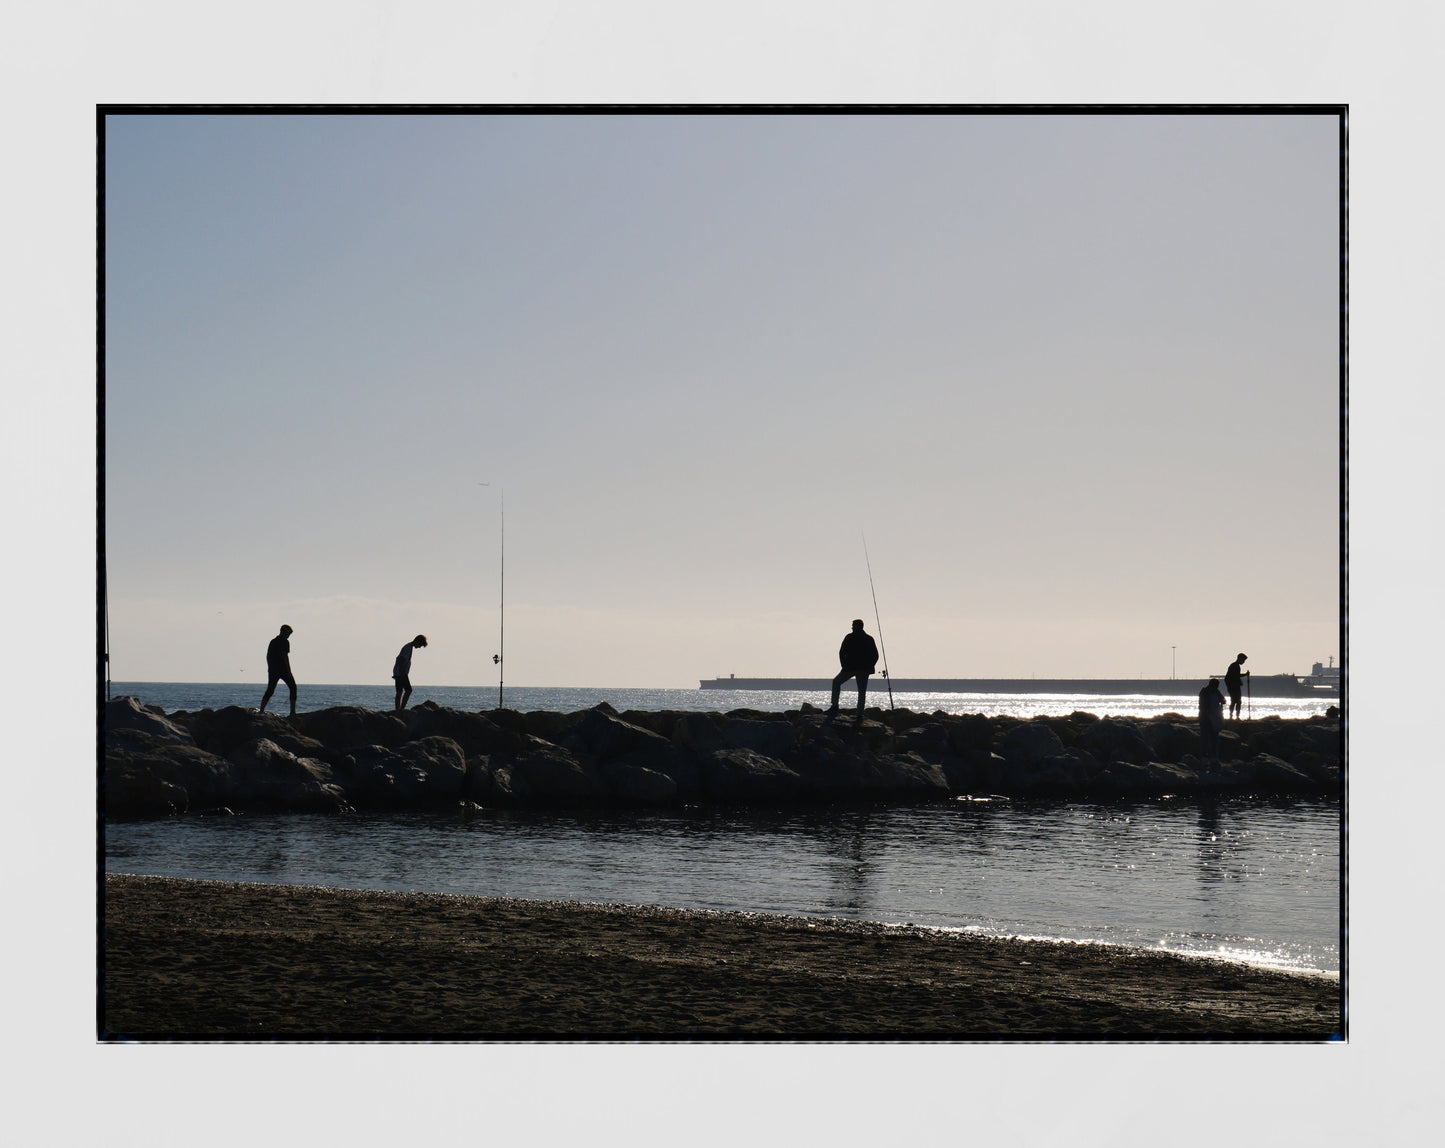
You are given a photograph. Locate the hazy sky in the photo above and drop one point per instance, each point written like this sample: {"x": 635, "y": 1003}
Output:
{"x": 1075, "y": 377}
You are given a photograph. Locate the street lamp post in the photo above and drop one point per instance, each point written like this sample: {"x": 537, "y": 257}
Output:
{"x": 1171, "y": 662}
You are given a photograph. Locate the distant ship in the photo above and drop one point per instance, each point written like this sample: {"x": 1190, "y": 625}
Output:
{"x": 1322, "y": 682}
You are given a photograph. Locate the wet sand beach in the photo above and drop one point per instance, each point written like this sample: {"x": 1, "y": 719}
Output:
{"x": 205, "y": 960}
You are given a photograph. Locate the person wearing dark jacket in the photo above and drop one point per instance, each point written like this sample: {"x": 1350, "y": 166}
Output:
{"x": 1211, "y": 719}
{"x": 858, "y": 655}
{"x": 1233, "y": 682}
{"x": 278, "y": 667}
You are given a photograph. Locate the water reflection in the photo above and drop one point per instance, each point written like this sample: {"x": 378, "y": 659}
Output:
{"x": 1141, "y": 873}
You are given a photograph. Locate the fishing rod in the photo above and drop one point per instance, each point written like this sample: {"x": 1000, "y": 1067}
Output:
{"x": 105, "y": 606}
{"x": 502, "y": 606}
{"x": 879, "y": 622}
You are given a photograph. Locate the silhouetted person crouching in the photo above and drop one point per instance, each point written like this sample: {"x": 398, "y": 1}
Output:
{"x": 401, "y": 670}
{"x": 278, "y": 667}
{"x": 858, "y": 655}
{"x": 1211, "y": 719}
{"x": 1233, "y": 682}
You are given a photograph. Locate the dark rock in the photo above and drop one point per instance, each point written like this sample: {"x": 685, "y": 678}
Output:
{"x": 345, "y": 727}
{"x": 744, "y": 775}
{"x": 1170, "y": 741}
{"x": 769, "y": 738}
{"x": 699, "y": 733}
{"x": 127, "y": 713}
{"x": 1274, "y": 775}
{"x": 902, "y": 776}
{"x": 477, "y": 784}
{"x": 510, "y": 719}
{"x": 474, "y": 732}
{"x": 930, "y": 742}
{"x": 547, "y": 773}
{"x": 1116, "y": 739}
{"x": 270, "y": 777}
{"x": 603, "y": 735}
{"x": 550, "y": 726}
{"x": 146, "y": 776}
{"x": 1029, "y": 743}
{"x": 968, "y": 733}
{"x": 636, "y": 784}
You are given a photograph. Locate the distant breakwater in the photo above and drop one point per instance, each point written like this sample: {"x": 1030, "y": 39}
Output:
{"x": 347, "y": 758}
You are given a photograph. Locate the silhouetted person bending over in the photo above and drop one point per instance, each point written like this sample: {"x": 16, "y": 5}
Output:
{"x": 401, "y": 670}
{"x": 1211, "y": 719}
{"x": 858, "y": 655}
{"x": 1232, "y": 682}
{"x": 278, "y": 667}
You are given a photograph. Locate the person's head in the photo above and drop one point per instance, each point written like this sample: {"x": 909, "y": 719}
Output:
{"x": 285, "y": 631}
{"x": 1241, "y": 657}
{"x": 419, "y": 640}
{"x": 1213, "y": 684}
{"x": 857, "y": 625}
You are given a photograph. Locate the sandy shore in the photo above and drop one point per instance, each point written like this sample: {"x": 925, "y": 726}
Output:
{"x": 209, "y": 959}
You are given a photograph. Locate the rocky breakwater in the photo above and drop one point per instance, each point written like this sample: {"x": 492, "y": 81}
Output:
{"x": 344, "y": 759}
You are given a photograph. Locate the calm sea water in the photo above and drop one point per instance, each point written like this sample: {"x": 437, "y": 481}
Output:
{"x": 172, "y": 696}
{"x": 1254, "y": 881}
{"x": 1250, "y": 880}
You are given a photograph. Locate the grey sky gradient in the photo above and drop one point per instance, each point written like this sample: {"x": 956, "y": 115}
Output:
{"x": 1076, "y": 377}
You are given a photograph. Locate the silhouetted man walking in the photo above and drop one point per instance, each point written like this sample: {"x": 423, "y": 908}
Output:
{"x": 278, "y": 667}
{"x": 858, "y": 655}
{"x": 401, "y": 670}
{"x": 1232, "y": 682}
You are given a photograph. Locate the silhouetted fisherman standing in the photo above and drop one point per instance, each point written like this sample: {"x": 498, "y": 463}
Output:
{"x": 1211, "y": 719}
{"x": 401, "y": 670}
{"x": 278, "y": 667}
{"x": 1232, "y": 682}
{"x": 858, "y": 655}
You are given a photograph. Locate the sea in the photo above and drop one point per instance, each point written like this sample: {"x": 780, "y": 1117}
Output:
{"x": 1253, "y": 880}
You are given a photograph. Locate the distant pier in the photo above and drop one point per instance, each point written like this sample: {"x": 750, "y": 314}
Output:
{"x": 1261, "y": 686}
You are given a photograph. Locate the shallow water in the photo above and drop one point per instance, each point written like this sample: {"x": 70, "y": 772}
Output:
{"x": 1250, "y": 880}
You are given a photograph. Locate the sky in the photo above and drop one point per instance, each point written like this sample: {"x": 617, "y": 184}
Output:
{"x": 1067, "y": 383}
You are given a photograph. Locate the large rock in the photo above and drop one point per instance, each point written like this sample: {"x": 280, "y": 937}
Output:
{"x": 768, "y": 738}
{"x": 699, "y": 733}
{"x": 638, "y": 785}
{"x": 1029, "y": 743}
{"x": 902, "y": 776}
{"x": 1116, "y": 739}
{"x": 744, "y": 775}
{"x": 969, "y": 733}
{"x": 345, "y": 727}
{"x": 603, "y": 735}
{"x": 269, "y": 777}
{"x": 474, "y": 732}
{"x": 1169, "y": 740}
{"x": 128, "y": 713}
{"x": 929, "y": 741}
{"x": 430, "y": 770}
{"x": 547, "y": 773}
{"x": 147, "y": 776}
{"x": 220, "y": 731}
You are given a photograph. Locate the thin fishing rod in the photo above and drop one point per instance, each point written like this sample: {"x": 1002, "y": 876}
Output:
{"x": 105, "y": 599}
{"x": 502, "y": 607}
{"x": 878, "y": 622}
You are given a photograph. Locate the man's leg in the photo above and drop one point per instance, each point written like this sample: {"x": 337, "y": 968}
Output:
{"x": 397, "y": 703}
{"x": 843, "y": 676}
{"x": 291, "y": 685}
{"x": 270, "y": 689}
{"x": 405, "y": 695}
{"x": 862, "y": 693}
